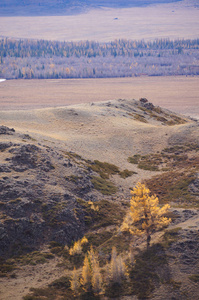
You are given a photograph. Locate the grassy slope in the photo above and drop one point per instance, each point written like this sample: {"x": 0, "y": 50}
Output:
{"x": 102, "y": 224}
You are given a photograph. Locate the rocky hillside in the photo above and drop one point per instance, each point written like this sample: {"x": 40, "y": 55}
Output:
{"x": 39, "y": 193}
{"x": 66, "y": 172}
{"x": 42, "y": 184}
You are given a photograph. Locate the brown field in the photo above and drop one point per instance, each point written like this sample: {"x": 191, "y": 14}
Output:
{"x": 174, "y": 20}
{"x": 179, "y": 94}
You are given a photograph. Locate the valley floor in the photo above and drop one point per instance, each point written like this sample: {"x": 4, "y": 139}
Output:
{"x": 177, "y": 93}
{"x": 171, "y": 20}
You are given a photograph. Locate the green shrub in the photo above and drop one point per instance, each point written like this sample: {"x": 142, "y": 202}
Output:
{"x": 194, "y": 278}
{"x": 104, "y": 186}
{"x": 104, "y": 169}
{"x": 126, "y": 173}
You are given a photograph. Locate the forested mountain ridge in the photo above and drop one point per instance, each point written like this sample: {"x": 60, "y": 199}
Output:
{"x": 53, "y": 7}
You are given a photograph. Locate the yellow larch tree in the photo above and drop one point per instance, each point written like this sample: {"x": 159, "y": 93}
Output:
{"x": 75, "y": 284}
{"x": 145, "y": 214}
{"x": 91, "y": 276}
{"x": 96, "y": 275}
{"x": 86, "y": 275}
{"x": 117, "y": 270}
{"x": 77, "y": 247}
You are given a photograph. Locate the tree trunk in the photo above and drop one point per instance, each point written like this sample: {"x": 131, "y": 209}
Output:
{"x": 148, "y": 241}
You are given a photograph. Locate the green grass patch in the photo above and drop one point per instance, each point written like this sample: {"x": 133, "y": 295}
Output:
{"x": 97, "y": 239}
{"x": 104, "y": 169}
{"x": 194, "y": 278}
{"x": 58, "y": 289}
{"x": 72, "y": 155}
{"x": 62, "y": 282}
{"x": 158, "y": 114}
{"x": 178, "y": 156}
{"x": 59, "y": 251}
{"x": 139, "y": 118}
{"x": 134, "y": 159}
{"x": 176, "y": 120}
{"x": 6, "y": 268}
{"x": 126, "y": 173}
{"x": 109, "y": 213}
{"x": 51, "y": 214}
{"x": 35, "y": 258}
{"x": 173, "y": 186}
{"x": 104, "y": 186}
{"x": 170, "y": 236}
{"x": 146, "y": 165}
{"x": 149, "y": 162}
{"x": 121, "y": 242}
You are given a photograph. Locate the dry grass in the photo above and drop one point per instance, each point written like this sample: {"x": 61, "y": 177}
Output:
{"x": 120, "y": 131}
{"x": 174, "y": 187}
{"x": 194, "y": 278}
{"x": 106, "y": 187}
{"x": 179, "y": 93}
{"x": 172, "y": 20}
{"x": 179, "y": 156}
{"x": 109, "y": 213}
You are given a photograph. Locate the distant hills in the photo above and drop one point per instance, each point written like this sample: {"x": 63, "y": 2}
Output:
{"x": 64, "y": 7}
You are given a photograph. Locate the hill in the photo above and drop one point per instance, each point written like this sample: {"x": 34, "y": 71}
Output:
{"x": 66, "y": 172}
{"x": 66, "y": 7}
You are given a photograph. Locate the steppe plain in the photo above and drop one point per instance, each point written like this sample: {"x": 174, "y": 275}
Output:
{"x": 174, "y": 20}
{"x": 177, "y": 93}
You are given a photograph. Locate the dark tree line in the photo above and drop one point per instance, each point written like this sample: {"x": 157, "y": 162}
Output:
{"x": 88, "y": 59}
{"x": 41, "y": 48}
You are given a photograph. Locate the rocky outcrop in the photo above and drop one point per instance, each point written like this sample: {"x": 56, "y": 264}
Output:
{"x": 6, "y": 130}
{"x": 39, "y": 189}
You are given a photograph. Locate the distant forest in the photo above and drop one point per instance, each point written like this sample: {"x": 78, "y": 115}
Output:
{"x": 86, "y": 59}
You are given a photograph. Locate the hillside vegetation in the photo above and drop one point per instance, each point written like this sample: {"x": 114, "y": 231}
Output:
{"x": 121, "y": 58}
{"x": 57, "y": 203}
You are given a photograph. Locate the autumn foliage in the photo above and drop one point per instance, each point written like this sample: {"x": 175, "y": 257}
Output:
{"x": 145, "y": 214}
{"x": 91, "y": 277}
{"x": 77, "y": 247}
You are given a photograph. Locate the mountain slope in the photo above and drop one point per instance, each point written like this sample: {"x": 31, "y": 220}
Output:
{"x": 60, "y": 159}
{"x": 66, "y": 172}
{"x": 64, "y": 7}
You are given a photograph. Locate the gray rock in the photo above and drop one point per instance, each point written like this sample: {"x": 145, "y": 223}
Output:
{"x": 6, "y": 130}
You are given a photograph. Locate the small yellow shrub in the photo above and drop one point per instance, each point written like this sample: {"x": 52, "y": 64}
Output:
{"x": 77, "y": 247}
